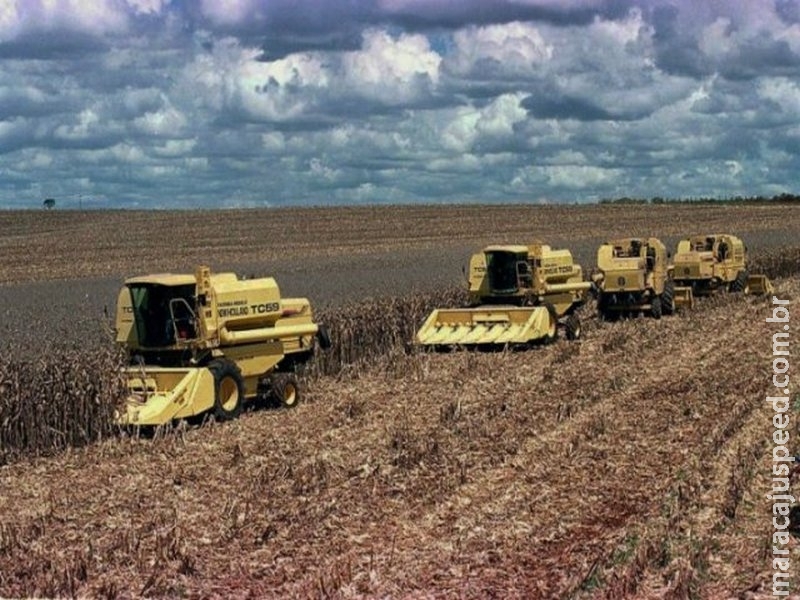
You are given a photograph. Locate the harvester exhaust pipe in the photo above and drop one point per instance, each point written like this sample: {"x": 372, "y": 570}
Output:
{"x": 264, "y": 334}
{"x": 560, "y": 288}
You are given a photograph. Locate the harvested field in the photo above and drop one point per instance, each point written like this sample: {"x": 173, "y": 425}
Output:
{"x": 631, "y": 464}
{"x": 43, "y": 246}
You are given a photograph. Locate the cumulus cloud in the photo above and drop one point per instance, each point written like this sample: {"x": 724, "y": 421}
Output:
{"x": 385, "y": 71}
{"x": 496, "y": 51}
{"x": 392, "y": 70}
{"x": 135, "y": 101}
{"x": 467, "y": 127}
{"x": 103, "y": 16}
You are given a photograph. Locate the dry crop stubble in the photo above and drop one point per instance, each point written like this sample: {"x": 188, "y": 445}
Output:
{"x": 590, "y": 463}
{"x": 362, "y": 331}
{"x": 424, "y": 473}
{"x": 59, "y": 399}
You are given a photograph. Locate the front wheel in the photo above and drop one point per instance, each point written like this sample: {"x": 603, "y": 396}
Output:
{"x": 228, "y": 389}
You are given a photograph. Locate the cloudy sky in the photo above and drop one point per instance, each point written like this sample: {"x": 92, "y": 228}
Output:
{"x": 221, "y": 103}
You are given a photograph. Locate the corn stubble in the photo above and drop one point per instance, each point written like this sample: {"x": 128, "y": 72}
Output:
{"x": 609, "y": 467}
{"x": 52, "y": 398}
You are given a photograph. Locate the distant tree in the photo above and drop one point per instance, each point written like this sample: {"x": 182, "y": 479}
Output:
{"x": 49, "y": 203}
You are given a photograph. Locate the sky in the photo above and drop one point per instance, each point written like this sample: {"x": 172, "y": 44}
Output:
{"x": 240, "y": 103}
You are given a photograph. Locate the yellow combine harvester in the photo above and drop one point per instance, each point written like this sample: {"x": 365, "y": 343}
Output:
{"x": 206, "y": 342}
{"x": 711, "y": 263}
{"x": 634, "y": 277}
{"x": 518, "y": 295}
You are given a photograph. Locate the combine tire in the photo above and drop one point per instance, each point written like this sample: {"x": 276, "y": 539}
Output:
{"x": 323, "y": 337}
{"x": 656, "y": 307}
{"x": 573, "y": 328}
{"x": 740, "y": 283}
{"x": 285, "y": 389}
{"x": 668, "y": 298}
{"x": 228, "y": 389}
{"x": 552, "y": 332}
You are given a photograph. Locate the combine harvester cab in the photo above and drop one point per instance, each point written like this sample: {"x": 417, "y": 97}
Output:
{"x": 718, "y": 262}
{"x": 634, "y": 277}
{"x": 518, "y": 295}
{"x": 209, "y": 342}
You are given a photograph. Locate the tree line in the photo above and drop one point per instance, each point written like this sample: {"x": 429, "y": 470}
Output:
{"x": 778, "y": 199}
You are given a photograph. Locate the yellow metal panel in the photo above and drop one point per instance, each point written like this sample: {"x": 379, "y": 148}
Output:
{"x": 683, "y": 297}
{"x": 513, "y": 333}
{"x": 160, "y": 395}
{"x": 759, "y": 284}
{"x": 126, "y": 332}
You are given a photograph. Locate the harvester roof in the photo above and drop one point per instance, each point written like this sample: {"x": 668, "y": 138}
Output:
{"x": 714, "y": 236}
{"x": 168, "y": 279}
{"x": 516, "y": 249}
{"x": 172, "y": 279}
{"x": 627, "y": 241}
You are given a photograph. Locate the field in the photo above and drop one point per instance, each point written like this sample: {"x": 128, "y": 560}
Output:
{"x": 633, "y": 463}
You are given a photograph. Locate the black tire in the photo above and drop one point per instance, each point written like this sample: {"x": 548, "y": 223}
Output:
{"x": 656, "y": 307}
{"x": 285, "y": 389}
{"x": 228, "y": 389}
{"x": 668, "y": 298}
{"x": 573, "y": 328}
{"x": 740, "y": 283}
{"x": 323, "y": 337}
{"x": 552, "y": 334}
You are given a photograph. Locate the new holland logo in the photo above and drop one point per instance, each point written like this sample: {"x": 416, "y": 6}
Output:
{"x": 621, "y": 281}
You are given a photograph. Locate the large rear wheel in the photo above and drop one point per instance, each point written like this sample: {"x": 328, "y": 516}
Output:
{"x": 668, "y": 298}
{"x": 228, "y": 389}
